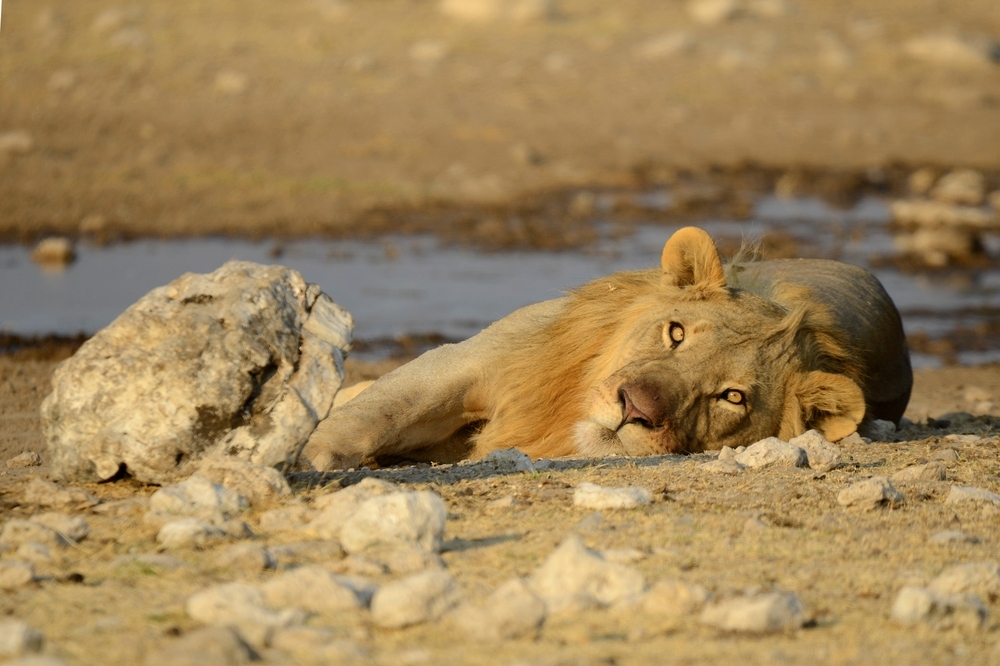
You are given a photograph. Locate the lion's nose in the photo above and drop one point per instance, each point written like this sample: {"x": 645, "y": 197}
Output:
{"x": 641, "y": 403}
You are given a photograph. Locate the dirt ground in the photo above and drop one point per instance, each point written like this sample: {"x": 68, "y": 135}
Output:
{"x": 774, "y": 528}
{"x": 352, "y": 117}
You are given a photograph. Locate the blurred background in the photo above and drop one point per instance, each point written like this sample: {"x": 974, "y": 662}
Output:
{"x": 434, "y": 164}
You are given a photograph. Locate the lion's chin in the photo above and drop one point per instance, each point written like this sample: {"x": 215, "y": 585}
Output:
{"x": 596, "y": 440}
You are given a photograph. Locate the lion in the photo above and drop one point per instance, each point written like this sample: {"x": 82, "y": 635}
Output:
{"x": 688, "y": 357}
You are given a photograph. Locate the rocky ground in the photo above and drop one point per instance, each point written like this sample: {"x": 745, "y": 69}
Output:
{"x": 866, "y": 553}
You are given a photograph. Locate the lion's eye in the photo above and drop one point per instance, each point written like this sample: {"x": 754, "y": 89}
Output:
{"x": 676, "y": 333}
{"x": 733, "y": 396}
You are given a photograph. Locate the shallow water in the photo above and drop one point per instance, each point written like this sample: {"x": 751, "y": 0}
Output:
{"x": 416, "y": 285}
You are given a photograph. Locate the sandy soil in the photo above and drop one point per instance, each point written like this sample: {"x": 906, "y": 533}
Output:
{"x": 776, "y": 528}
{"x": 330, "y": 116}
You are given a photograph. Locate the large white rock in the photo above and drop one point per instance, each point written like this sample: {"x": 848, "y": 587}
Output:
{"x": 573, "y": 577}
{"x": 243, "y": 361}
{"x": 915, "y": 605}
{"x": 258, "y": 484}
{"x": 820, "y": 452}
{"x": 314, "y": 589}
{"x": 198, "y": 496}
{"x": 17, "y": 638}
{"x": 869, "y": 494}
{"x": 759, "y": 613}
{"x": 419, "y": 598}
{"x": 980, "y": 578}
{"x": 512, "y": 611}
{"x": 336, "y": 508}
{"x": 772, "y": 451}
{"x": 238, "y": 604}
{"x": 400, "y": 520}
{"x": 971, "y": 495}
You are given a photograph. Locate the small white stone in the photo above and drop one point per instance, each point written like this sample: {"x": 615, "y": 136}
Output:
{"x": 245, "y": 557}
{"x": 238, "y": 604}
{"x": 218, "y": 646}
{"x": 722, "y": 466}
{"x": 508, "y": 460}
{"x": 512, "y": 611}
{"x": 16, "y": 141}
{"x": 675, "y": 598}
{"x": 257, "y": 483}
{"x": 70, "y": 528}
{"x": 592, "y": 496}
{"x": 962, "y": 186}
{"x": 17, "y": 638}
{"x": 394, "y": 521}
{"x": 14, "y": 574}
{"x": 879, "y": 430}
{"x": 22, "y": 460}
{"x": 932, "y": 471}
{"x": 854, "y": 439}
{"x": 711, "y": 12}
{"x": 17, "y": 531}
{"x": 980, "y": 578}
{"x": 761, "y": 613}
{"x": 869, "y": 494}
{"x": 189, "y": 533}
{"x": 286, "y": 519}
{"x": 945, "y": 455}
{"x": 820, "y": 452}
{"x": 198, "y": 496}
{"x": 727, "y": 453}
{"x": 945, "y": 537}
{"x": 772, "y": 451}
{"x": 48, "y": 495}
{"x": 573, "y": 576}
{"x": 335, "y": 508}
{"x": 963, "y": 495}
{"x": 419, "y": 598}
{"x": 56, "y": 251}
{"x": 313, "y": 589}
{"x": 914, "y": 605}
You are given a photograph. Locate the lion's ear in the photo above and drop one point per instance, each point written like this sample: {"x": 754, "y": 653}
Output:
{"x": 689, "y": 258}
{"x": 832, "y": 404}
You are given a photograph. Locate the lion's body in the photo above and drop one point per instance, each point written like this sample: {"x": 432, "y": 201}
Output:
{"x": 688, "y": 357}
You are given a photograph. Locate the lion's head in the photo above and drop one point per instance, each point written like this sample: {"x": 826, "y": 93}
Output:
{"x": 675, "y": 360}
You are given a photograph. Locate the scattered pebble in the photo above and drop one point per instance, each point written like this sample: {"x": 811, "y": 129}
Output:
{"x": 198, "y": 496}
{"x": 16, "y": 142}
{"x": 575, "y": 577}
{"x": 722, "y": 466}
{"x": 246, "y": 557}
{"x": 822, "y": 455}
{"x": 14, "y": 574}
{"x": 915, "y": 605}
{"x": 286, "y": 519}
{"x": 945, "y": 455}
{"x": 962, "y": 186}
{"x": 22, "y": 460}
{"x": 219, "y": 646}
{"x": 772, "y": 451}
{"x": 760, "y": 613}
{"x": 512, "y": 611}
{"x": 675, "y": 598}
{"x": 980, "y": 578}
{"x": 854, "y": 439}
{"x": 335, "y": 508}
{"x": 931, "y": 471}
{"x": 238, "y": 604}
{"x": 879, "y": 430}
{"x": 951, "y": 50}
{"x": 189, "y": 533}
{"x": 416, "y": 599}
{"x": 17, "y": 531}
{"x": 257, "y": 483}
{"x": 727, "y": 453}
{"x": 54, "y": 252}
{"x": 592, "y": 496}
{"x": 952, "y": 536}
{"x": 48, "y": 495}
{"x": 314, "y": 589}
{"x": 400, "y": 519}
{"x": 712, "y": 12}
{"x": 957, "y": 495}
{"x": 17, "y": 638}
{"x": 870, "y": 494}
{"x": 70, "y": 528}
{"x": 507, "y": 461}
